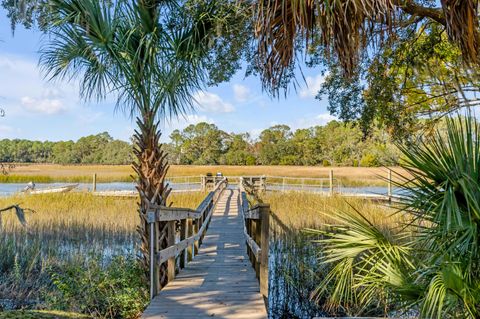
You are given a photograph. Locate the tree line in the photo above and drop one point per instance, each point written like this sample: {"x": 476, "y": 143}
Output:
{"x": 92, "y": 149}
{"x": 336, "y": 143}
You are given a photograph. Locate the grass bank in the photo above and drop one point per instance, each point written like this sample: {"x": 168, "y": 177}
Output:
{"x": 77, "y": 253}
{"x": 46, "y": 173}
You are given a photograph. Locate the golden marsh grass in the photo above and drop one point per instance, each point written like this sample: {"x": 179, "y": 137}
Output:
{"x": 348, "y": 176}
{"x": 299, "y": 210}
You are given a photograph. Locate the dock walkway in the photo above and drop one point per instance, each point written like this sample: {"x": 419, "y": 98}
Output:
{"x": 219, "y": 282}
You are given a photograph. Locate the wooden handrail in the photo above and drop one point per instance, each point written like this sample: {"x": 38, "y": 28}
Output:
{"x": 193, "y": 226}
{"x": 256, "y": 227}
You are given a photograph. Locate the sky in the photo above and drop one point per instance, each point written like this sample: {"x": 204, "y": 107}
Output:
{"x": 38, "y": 109}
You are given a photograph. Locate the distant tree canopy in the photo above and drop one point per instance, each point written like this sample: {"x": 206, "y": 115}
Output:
{"x": 333, "y": 144}
{"x": 92, "y": 149}
{"x": 205, "y": 144}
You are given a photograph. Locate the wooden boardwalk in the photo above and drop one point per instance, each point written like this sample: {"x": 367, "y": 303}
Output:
{"x": 219, "y": 282}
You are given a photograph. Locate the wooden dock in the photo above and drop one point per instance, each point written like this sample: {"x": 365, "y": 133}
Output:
{"x": 220, "y": 281}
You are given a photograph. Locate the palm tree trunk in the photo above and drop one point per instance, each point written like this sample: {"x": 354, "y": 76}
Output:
{"x": 151, "y": 167}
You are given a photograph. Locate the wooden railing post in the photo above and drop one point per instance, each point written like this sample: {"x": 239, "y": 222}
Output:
{"x": 189, "y": 234}
{"x": 171, "y": 242}
{"x": 94, "y": 182}
{"x": 257, "y": 236}
{"x": 152, "y": 261}
{"x": 183, "y": 235}
{"x": 264, "y": 245}
{"x": 196, "y": 243}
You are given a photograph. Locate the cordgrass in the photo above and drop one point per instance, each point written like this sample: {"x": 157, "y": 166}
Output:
{"x": 299, "y": 210}
{"x": 46, "y": 173}
{"x": 66, "y": 229}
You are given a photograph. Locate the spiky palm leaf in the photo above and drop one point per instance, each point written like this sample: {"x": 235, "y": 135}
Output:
{"x": 433, "y": 264}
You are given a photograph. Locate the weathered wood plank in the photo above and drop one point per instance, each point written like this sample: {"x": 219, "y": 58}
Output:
{"x": 220, "y": 281}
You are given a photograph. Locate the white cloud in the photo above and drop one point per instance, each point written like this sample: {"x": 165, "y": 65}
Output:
{"x": 320, "y": 119}
{"x": 45, "y": 105}
{"x": 210, "y": 102}
{"x": 184, "y": 121}
{"x": 312, "y": 86}
{"x": 24, "y": 90}
{"x": 324, "y": 118}
{"x": 241, "y": 93}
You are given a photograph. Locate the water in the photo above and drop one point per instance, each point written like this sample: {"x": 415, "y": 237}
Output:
{"x": 7, "y": 189}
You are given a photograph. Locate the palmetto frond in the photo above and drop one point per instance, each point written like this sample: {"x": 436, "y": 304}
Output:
{"x": 124, "y": 48}
{"x": 366, "y": 260}
{"x": 434, "y": 263}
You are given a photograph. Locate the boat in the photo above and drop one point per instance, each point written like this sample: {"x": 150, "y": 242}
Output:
{"x": 50, "y": 190}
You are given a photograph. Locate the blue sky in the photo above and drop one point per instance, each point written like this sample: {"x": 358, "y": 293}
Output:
{"x": 39, "y": 110}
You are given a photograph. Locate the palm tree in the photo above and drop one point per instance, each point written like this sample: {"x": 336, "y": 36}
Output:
{"x": 150, "y": 55}
{"x": 346, "y": 27}
{"x": 433, "y": 263}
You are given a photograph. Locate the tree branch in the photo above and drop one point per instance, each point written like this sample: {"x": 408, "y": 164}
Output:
{"x": 410, "y": 7}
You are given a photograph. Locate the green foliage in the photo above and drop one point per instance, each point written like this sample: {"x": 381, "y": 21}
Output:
{"x": 333, "y": 144}
{"x": 369, "y": 160}
{"x": 419, "y": 73}
{"x": 92, "y": 149}
{"x": 115, "y": 291}
{"x": 433, "y": 263}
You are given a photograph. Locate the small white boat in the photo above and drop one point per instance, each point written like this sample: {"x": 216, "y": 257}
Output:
{"x": 49, "y": 190}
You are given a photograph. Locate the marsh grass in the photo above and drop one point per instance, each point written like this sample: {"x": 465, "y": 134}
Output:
{"x": 47, "y": 173}
{"x": 295, "y": 270}
{"x": 65, "y": 230}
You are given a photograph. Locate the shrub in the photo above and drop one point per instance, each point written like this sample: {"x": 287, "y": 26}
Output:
{"x": 325, "y": 163}
{"x": 369, "y": 160}
{"x": 117, "y": 290}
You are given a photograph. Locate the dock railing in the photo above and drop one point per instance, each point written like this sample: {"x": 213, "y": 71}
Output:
{"x": 193, "y": 224}
{"x": 256, "y": 227}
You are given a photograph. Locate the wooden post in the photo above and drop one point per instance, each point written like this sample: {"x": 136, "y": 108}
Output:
{"x": 331, "y": 182}
{"x": 257, "y": 236}
{"x": 189, "y": 234}
{"x": 183, "y": 235}
{"x": 94, "y": 184}
{"x": 249, "y": 232}
{"x": 171, "y": 242}
{"x": 195, "y": 231}
{"x": 264, "y": 245}
{"x": 153, "y": 272}
{"x": 389, "y": 191}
